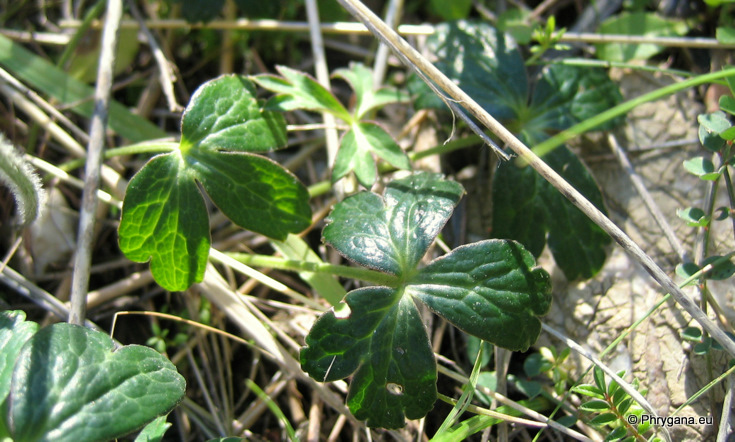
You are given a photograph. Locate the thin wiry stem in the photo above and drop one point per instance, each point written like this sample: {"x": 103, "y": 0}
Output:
{"x": 83, "y": 255}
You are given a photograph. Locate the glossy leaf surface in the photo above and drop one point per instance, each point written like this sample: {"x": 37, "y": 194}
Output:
{"x": 14, "y": 332}
{"x": 164, "y": 216}
{"x": 393, "y": 233}
{"x": 528, "y": 209}
{"x": 377, "y": 335}
{"x": 71, "y": 384}
{"x": 488, "y": 289}
{"x": 488, "y": 66}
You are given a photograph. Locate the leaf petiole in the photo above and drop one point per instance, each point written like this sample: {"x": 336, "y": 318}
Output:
{"x": 363, "y": 274}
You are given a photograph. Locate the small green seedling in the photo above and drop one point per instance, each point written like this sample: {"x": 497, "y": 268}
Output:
{"x": 614, "y": 409}
{"x": 70, "y": 383}
{"x": 489, "y": 289}
{"x": 364, "y": 138}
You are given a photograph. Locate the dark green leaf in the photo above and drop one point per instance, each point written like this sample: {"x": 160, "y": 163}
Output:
{"x": 196, "y": 11}
{"x": 164, "y": 220}
{"x": 473, "y": 348}
{"x": 617, "y": 434}
{"x": 566, "y": 95}
{"x": 14, "y": 332}
{"x": 588, "y": 390}
{"x": 535, "y": 364}
{"x": 154, "y": 431}
{"x": 603, "y": 419}
{"x": 637, "y": 24}
{"x": 693, "y": 334}
{"x": 624, "y": 405}
{"x": 703, "y": 347}
{"x": 368, "y": 98}
{"x": 694, "y": 216}
{"x": 594, "y": 406}
{"x": 528, "y": 387}
{"x": 223, "y": 114}
{"x": 721, "y": 271}
{"x": 727, "y": 103}
{"x": 357, "y": 149}
{"x": 299, "y": 91}
{"x": 710, "y": 127}
{"x": 568, "y": 421}
{"x": 701, "y": 167}
{"x": 71, "y": 384}
{"x": 599, "y": 376}
{"x": 164, "y": 217}
{"x": 486, "y": 64}
{"x": 525, "y": 207}
{"x": 453, "y": 10}
{"x": 259, "y": 8}
{"x": 378, "y": 335}
{"x": 393, "y": 233}
{"x": 687, "y": 269}
{"x": 489, "y": 289}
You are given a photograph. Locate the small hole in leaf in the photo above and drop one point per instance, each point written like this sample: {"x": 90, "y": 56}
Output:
{"x": 342, "y": 311}
{"x": 394, "y": 388}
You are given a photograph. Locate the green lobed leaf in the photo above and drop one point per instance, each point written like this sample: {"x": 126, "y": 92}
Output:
{"x": 483, "y": 62}
{"x": 378, "y": 335}
{"x": 367, "y": 98}
{"x": 356, "y": 153}
{"x": 71, "y": 384}
{"x": 487, "y": 289}
{"x": 393, "y": 233}
{"x": 297, "y": 90}
{"x": 223, "y": 114}
{"x": 566, "y": 95}
{"x": 526, "y": 207}
{"x": 164, "y": 218}
{"x": 637, "y": 24}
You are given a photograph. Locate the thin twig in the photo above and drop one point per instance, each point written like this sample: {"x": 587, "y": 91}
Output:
{"x": 424, "y": 29}
{"x": 83, "y": 255}
{"x": 166, "y": 76}
{"x": 392, "y": 16}
{"x": 723, "y": 432}
{"x": 651, "y": 205}
{"x": 420, "y": 64}
{"x": 632, "y": 392}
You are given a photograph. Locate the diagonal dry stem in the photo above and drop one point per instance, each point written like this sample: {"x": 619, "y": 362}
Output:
{"x": 425, "y": 69}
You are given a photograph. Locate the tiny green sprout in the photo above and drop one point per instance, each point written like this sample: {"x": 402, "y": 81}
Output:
{"x": 613, "y": 409}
